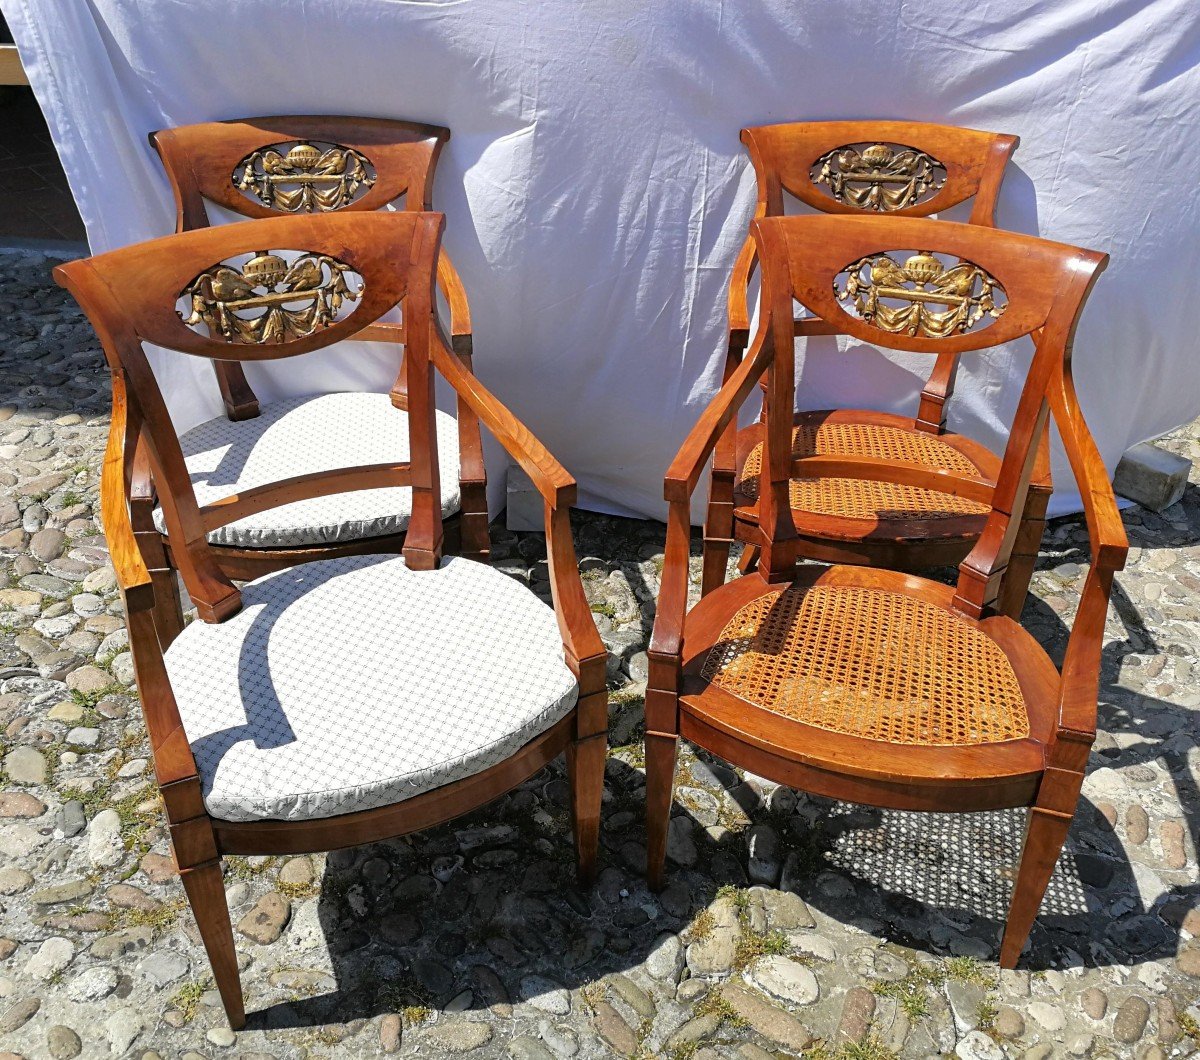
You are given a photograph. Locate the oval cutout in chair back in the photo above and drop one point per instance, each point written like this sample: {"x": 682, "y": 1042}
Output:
{"x": 271, "y": 296}
{"x": 304, "y": 176}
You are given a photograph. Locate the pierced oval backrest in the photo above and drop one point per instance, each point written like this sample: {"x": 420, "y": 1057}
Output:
{"x": 264, "y": 167}
{"x": 264, "y": 290}
{"x": 130, "y": 297}
{"x": 918, "y": 284}
{"x": 985, "y": 287}
{"x": 896, "y": 168}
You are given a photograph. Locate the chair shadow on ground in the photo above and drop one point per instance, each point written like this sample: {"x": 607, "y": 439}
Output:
{"x": 396, "y": 935}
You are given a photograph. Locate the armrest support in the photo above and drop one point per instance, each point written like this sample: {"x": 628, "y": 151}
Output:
{"x": 743, "y": 273}
{"x": 460, "y": 312}
{"x": 666, "y": 640}
{"x": 684, "y": 471}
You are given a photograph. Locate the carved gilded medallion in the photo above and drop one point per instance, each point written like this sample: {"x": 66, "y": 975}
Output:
{"x": 880, "y": 177}
{"x": 305, "y": 176}
{"x": 269, "y": 300}
{"x": 922, "y": 296}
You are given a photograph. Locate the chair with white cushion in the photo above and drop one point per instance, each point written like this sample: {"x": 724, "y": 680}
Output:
{"x": 294, "y": 165}
{"x": 355, "y": 698}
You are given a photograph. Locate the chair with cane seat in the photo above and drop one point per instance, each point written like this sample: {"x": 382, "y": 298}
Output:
{"x": 356, "y": 698}
{"x": 902, "y": 169}
{"x": 871, "y": 685}
{"x": 294, "y": 165}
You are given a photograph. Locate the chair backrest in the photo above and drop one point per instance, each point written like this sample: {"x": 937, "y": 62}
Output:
{"x": 901, "y": 168}
{"x": 264, "y": 167}
{"x": 263, "y": 290}
{"x": 933, "y": 287}
{"x": 898, "y": 168}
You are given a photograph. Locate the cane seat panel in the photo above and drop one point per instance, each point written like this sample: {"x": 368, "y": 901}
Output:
{"x": 870, "y": 663}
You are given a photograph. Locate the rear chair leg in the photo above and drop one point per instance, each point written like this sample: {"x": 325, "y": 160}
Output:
{"x": 585, "y": 776}
{"x": 1044, "y": 837}
{"x": 205, "y": 888}
{"x": 1024, "y": 556}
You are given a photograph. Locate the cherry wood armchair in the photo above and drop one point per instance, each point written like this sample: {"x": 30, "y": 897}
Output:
{"x": 355, "y": 698}
{"x": 293, "y": 165}
{"x": 909, "y": 169}
{"x": 871, "y": 685}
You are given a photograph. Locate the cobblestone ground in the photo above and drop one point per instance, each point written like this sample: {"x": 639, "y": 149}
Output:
{"x": 791, "y": 925}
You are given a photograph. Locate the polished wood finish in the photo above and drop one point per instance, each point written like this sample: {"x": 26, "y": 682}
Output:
{"x": 395, "y": 253}
{"x": 784, "y": 158}
{"x": 1047, "y": 284}
{"x": 200, "y": 162}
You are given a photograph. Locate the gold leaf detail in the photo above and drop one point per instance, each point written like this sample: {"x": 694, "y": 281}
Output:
{"x": 305, "y": 177}
{"x": 267, "y": 300}
{"x": 879, "y": 177}
{"x": 902, "y": 298}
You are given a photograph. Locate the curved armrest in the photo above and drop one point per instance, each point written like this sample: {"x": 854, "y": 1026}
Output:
{"x": 684, "y": 471}
{"x": 1109, "y": 548}
{"x": 552, "y": 480}
{"x": 576, "y": 625}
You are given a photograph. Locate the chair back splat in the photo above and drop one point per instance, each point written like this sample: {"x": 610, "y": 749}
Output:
{"x": 263, "y": 290}
{"x": 305, "y": 164}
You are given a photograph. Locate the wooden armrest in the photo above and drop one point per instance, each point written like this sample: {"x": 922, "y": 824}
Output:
{"x": 684, "y": 471}
{"x": 1109, "y": 548}
{"x": 552, "y": 480}
{"x": 132, "y": 574}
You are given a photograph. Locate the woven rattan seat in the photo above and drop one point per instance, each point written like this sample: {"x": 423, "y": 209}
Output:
{"x": 870, "y": 663}
{"x": 861, "y": 499}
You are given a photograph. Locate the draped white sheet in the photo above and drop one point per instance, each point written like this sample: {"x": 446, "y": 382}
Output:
{"x": 597, "y": 193}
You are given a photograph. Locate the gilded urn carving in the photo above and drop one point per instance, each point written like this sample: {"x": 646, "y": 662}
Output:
{"x": 922, "y": 296}
{"x": 879, "y": 177}
{"x": 304, "y": 178}
{"x": 267, "y": 300}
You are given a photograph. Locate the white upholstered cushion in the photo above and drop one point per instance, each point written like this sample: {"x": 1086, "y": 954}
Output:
{"x": 352, "y": 683}
{"x": 300, "y": 436}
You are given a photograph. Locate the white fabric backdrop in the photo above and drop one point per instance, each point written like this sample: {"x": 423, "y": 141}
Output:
{"x": 597, "y": 193}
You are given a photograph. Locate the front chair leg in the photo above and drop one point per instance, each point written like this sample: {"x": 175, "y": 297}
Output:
{"x": 205, "y": 887}
{"x": 1044, "y": 837}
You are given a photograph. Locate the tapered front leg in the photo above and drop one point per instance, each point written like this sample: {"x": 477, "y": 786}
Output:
{"x": 205, "y": 887}
{"x": 1044, "y": 837}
